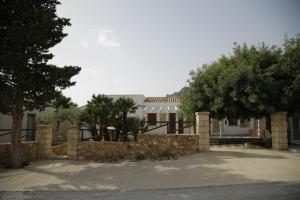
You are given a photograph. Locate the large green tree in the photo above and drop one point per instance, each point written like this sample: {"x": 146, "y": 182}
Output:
{"x": 28, "y": 29}
{"x": 252, "y": 82}
{"x": 62, "y": 102}
{"x": 287, "y": 75}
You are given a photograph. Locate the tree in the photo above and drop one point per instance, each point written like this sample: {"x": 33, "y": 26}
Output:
{"x": 99, "y": 111}
{"x": 28, "y": 29}
{"x": 253, "y": 82}
{"x": 123, "y": 106}
{"x": 134, "y": 125}
{"x": 288, "y": 74}
{"x": 61, "y": 101}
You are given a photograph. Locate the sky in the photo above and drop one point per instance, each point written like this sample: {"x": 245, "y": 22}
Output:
{"x": 150, "y": 46}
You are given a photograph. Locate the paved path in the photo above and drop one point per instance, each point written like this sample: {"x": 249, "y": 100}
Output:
{"x": 221, "y": 166}
{"x": 266, "y": 191}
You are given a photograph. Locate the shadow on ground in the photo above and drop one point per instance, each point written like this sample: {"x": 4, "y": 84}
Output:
{"x": 197, "y": 170}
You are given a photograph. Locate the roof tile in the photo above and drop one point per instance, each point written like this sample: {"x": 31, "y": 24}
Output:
{"x": 163, "y": 99}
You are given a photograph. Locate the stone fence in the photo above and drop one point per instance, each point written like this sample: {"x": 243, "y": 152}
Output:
{"x": 59, "y": 150}
{"x": 148, "y": 146}
{"x": 28, "y": 152}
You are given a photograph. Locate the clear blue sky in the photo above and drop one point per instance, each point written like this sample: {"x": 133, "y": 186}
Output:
{"x": 150, "y": 46}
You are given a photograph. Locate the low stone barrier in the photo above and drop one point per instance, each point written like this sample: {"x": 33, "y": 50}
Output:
{"x": 148, "y": 146}
{"x": 59, "y": 150}
{"x": 174, "y": 144}
{"x": 28, "y": 152}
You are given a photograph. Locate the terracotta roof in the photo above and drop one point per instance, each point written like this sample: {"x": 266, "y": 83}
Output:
{"x": 163, "y": 99}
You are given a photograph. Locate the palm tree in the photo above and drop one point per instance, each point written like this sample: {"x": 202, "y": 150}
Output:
{"x": 123, "y": 106}
{"x": 99, "y": 111}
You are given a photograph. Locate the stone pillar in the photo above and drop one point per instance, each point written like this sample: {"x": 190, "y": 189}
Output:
{"x": 222, "y": 127}
{"x": 73, "y": 137}
{"x": 279, "y": 130}
{"x": 202, "y": 129}
{"x": 44, "y": 141}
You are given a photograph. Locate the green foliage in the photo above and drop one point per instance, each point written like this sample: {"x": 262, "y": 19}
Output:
{"x": 27, "y": 30}
{"x": 102, "y": 112}
{"x": 253, "y": 82}
{"x": 135, "y": 124}
{"x": 62, "y": 101}
{"x": 70, "y": 115}
{"x": 46, "y": 120}
{"x": 123, "y": 106}
{"x": 98, "y": 111}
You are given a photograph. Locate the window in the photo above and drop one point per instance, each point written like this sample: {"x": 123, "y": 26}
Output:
{"x": 151, "y": 118}
{"x": 163, "y": 117}
{"x": 30, "y": 135}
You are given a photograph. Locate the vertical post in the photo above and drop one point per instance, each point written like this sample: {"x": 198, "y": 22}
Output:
{"x": 73, "y": 136}
{"x": 222, "y": 127}
{"x": 211, "y": 126}
{"x": 44, "y": 141}
{"x": 262, "y": 127}
{"x": 202, "y": 129}
{"x": 279, "y": 130}
{"x": 167, "y": 127}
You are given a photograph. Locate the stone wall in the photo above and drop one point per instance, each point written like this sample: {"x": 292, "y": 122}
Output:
{"x": 148, "y": 146}
{"x": 59, "y": 132}
{"x": 72, "y": 143}
{"x": 179, "y": 144}
{"x": 59, "y": 150}
{"x": 28, "y": 152}
{"x": 202, "y": 129}
{"x": 279, "y": 131}
{"x": 44, "y": 141}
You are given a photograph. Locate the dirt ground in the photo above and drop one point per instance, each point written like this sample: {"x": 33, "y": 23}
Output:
{"x": 221, "y": 166}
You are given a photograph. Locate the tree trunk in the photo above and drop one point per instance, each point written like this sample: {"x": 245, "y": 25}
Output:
{"x": 105, "y": 134}
{"x": 117, "y": 134}
{"x": 15, "y": 145}
{"x": 94, "y": 133}
{"x": 268, "y": 123}
{"x": 124, "y": 137}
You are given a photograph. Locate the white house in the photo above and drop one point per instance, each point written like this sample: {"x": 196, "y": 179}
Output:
{"x": 157, "y": 112}
{"x": 160, "y": 113}
{"x": 29, "y": 122}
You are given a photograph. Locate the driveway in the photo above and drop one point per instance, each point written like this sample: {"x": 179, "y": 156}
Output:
{"x": 220, "y": 167}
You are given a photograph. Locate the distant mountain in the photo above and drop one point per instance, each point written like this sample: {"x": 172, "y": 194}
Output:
{"x": 180, "y": 93}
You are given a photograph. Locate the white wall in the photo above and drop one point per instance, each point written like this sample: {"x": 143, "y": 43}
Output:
{"x": 162, "y": 107}
{"x": 138, "y": 99}
{"x": 6, "y": 121}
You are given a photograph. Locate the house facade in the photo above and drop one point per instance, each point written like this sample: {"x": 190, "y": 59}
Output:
{"x": 29, "y": 122}
{"x": 157, "y": 112}
{"x": 161, "y": 116}
{"x": 162, "y": 112}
